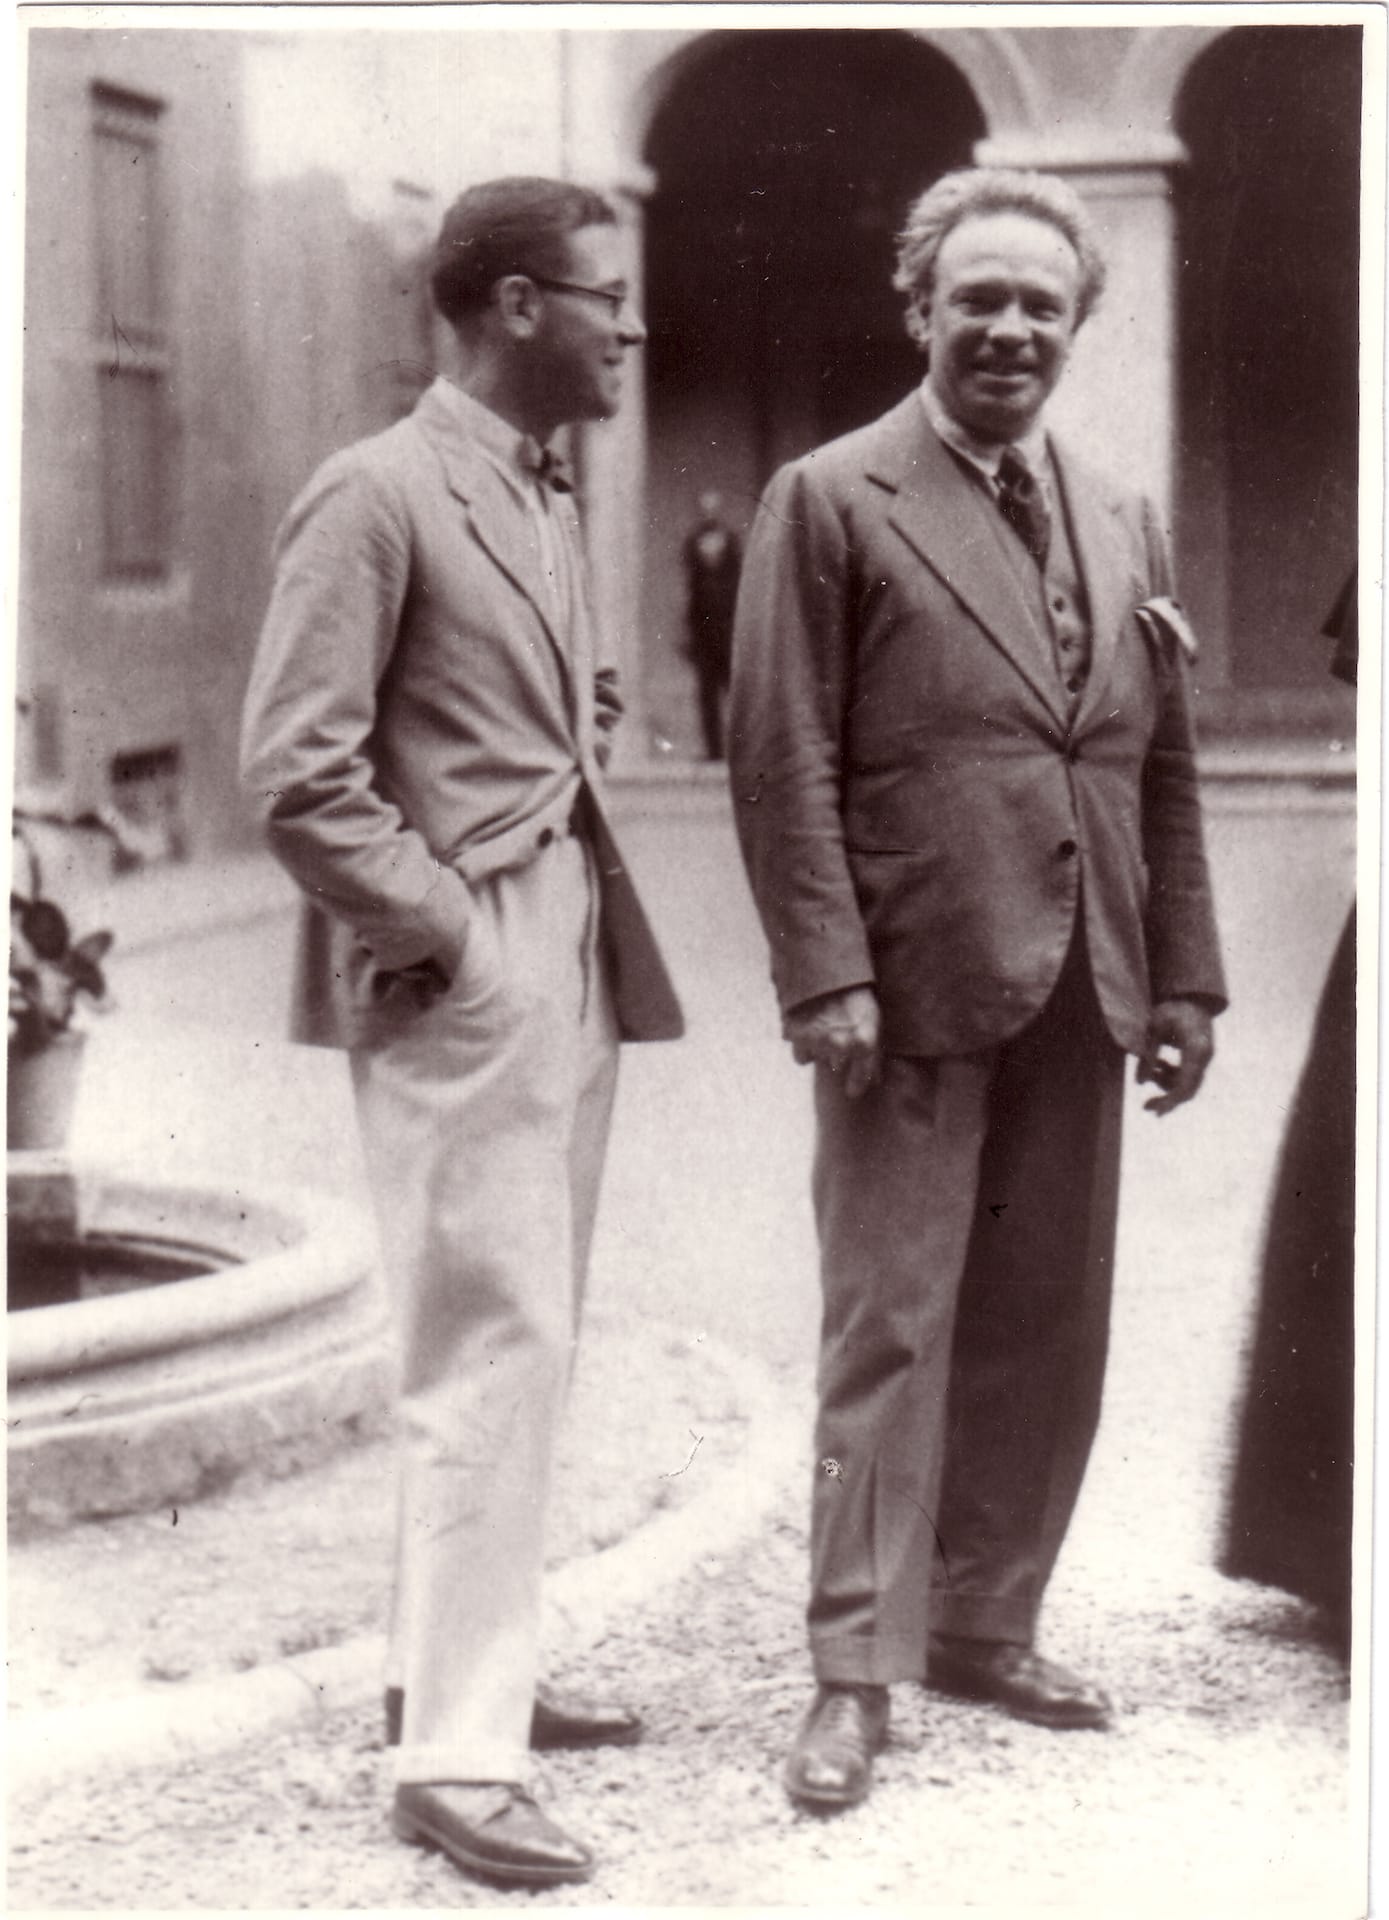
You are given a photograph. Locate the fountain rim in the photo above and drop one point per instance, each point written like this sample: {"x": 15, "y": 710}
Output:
{"x": 330, "y": 1246}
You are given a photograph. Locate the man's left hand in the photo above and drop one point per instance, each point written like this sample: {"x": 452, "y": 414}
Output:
{"x": 1176, "y": 1052}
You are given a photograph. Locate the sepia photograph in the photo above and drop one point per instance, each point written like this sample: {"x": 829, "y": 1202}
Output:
{"x": 692, "y": 1079}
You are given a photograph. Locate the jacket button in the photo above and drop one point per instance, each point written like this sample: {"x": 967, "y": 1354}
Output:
{"x": 547, "y": 834}
{"x": 1067, "y": 850}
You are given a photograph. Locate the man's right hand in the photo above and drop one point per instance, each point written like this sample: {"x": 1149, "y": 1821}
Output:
{"x": 840, "y": 1031}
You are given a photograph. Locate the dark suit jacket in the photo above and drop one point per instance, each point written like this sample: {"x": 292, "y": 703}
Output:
{"x": 414, "y": 722}
{"x": 914, "y": 807}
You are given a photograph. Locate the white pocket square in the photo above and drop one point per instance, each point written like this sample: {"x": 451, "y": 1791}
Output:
{"x": 1165, "y": 625}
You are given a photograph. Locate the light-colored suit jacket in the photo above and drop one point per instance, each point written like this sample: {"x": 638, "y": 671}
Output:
{"x": 415, "y": 722}
{"x": 915, "y": 806}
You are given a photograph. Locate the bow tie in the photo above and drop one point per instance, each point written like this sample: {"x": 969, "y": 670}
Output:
{"x": 551, "y": 469}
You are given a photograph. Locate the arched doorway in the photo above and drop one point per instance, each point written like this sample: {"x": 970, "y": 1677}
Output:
{"x": 784, "y": 161}
{"x": 1268, "y": 292}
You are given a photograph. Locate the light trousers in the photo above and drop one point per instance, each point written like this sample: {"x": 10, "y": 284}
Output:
{"x": 967, "y": 1210}
{"x": 485, "y": 1117}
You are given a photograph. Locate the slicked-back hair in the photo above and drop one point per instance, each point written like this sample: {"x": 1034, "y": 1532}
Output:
{"x": 980, "y": 190}
{"x": 516, "y": 225}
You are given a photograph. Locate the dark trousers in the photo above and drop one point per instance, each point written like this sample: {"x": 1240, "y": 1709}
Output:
{"x": 713, "y": 699}
{"x": 966, "y": 1209}
{"x": 1289, "y": 1518}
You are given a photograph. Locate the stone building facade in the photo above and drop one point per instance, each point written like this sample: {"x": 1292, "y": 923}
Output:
{"x": 224, "y": 236}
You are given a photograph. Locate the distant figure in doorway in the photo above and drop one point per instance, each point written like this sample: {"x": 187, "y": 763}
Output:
{"x": 965, "y": 785}
{"x": 1289, "y": 1518}
{"x": 712, "y": 562}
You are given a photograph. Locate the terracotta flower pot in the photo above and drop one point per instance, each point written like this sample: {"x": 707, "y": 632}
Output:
{"x": 42, "y": 1091}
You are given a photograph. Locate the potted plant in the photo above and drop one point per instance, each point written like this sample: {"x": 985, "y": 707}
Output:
{"x": 50, "y": 974}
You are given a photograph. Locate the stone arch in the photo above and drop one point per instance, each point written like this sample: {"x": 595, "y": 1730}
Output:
{"x": 990, "y": 61}
{"x": 1153, "y": 71}
{"x": 781, "y": 163}
{"x": 1267, "y": 226}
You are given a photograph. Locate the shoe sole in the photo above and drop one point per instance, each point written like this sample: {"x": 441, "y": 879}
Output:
{"x": 414, "y": 1833}
{"x": 578, "y": 1743}
{"x": 1099, "y": 1722}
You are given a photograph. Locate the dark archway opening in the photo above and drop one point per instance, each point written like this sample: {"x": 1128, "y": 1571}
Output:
{"x": 1268, "y": 289}
{"x": 785, "y": 161}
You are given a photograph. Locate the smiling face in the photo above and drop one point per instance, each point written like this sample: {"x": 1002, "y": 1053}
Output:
{"x": 582, "y": 339}
{"x": 1002, "y": 319}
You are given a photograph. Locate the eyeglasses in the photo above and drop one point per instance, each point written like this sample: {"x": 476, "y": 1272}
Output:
{"x": 615, "y": 297}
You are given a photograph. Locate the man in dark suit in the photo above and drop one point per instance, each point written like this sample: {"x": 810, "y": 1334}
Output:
{"x": 712, "y": 561}
{"x": 964, "y": 783}
{"x": 425, "y": 728}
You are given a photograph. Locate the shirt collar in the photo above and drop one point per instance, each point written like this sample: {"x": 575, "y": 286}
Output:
{"x": 518, "y": 455}
{"x": 984, "y": 455}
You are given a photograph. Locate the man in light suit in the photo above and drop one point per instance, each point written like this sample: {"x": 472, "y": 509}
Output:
{"x": 425, "y": 726}
{"x": 964, "y": 783}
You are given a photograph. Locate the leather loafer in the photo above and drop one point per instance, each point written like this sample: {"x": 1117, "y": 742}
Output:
{"x": 492, "y": 1829}
{"x": 569, "y": 1720}
{"x": 558, "y": 1720}
{"x": 1018, "y": 1679}
{"x": 831, "y": 1764}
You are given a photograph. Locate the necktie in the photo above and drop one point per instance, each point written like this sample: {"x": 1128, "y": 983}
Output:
{"x": 1021, "y": 504}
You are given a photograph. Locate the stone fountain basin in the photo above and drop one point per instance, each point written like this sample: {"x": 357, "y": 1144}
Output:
{"x": 167, "y": 1392}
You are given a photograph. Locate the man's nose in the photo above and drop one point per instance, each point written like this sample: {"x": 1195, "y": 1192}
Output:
{"x": 1010, "y": 322}
{"x": 630, "y": 329}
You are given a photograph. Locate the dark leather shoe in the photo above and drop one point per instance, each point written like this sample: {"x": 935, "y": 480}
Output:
{"x": 492, "y": 1829}
{"x": 1017, "y": 1679}
{"x": 558, "y": 1720}
{"x": 831, "y": 1764}
{"x": 569, "y": 1720}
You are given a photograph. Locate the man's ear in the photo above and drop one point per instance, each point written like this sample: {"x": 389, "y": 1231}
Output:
{"x": 517, "y": 301}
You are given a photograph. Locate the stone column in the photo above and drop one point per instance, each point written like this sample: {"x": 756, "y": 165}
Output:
{"x": 1119, "y": 395}
{"x": 611, "y": 457}
{"x": 612, "y": 460}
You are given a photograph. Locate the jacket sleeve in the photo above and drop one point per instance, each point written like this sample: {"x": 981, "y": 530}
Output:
{"x": 342, "y": 569}
{"x": 1179, "y": 927}
{"x": 791, "y": 674}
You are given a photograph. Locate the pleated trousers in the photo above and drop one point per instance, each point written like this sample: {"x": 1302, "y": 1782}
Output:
{"x": 484, "y": 1118}
{"x": 967, "y": 1211}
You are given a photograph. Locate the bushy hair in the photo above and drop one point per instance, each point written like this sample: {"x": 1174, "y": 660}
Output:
{"x": 979, "y": 190}
{"x": 516, "y": 225}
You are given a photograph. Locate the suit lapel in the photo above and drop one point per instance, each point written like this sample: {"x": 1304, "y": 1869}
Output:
{"x": 495, "y": 524}
{"x": 583, "y": 651}
{"x": 948, "y": 521}
{"x": 1092, "y": 508}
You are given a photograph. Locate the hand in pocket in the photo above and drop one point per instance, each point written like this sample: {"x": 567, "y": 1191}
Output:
{"x": 421, "y": 983}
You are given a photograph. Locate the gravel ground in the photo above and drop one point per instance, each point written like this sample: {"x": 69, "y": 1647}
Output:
{"x": 1222, "y": 1786}
{"x": 256, "y": 1574}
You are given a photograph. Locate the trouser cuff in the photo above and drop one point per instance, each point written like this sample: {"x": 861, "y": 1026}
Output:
{"x": 860, "y": 1661}
{"x": 983, "y": 1616}
{"x": 453, "y": 1766}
